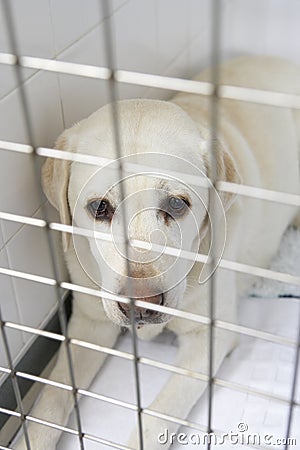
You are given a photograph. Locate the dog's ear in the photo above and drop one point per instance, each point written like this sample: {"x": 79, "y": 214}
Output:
{"x": 226, "y": 171}
{"x": 55, "y": 181}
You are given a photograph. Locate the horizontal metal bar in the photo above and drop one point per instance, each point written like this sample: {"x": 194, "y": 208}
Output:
{"x": 217, "y": 381}
{"x": 164, "y": 309}
{"x": 9, "y": 412}
{"x": 223, "y": 263}
{"x": 197, "y": 257}
{"x": 174, "y": 369}
{"x": 105, "y": 236}
{"x": 61, "y": 338}
{"x": 224, "y": 186}
{"x": 48, "y": 382}
{"x": 5, "y": 370}
{"x": 88, "y": 437}
{"x": 68, "y": 430}
{"x": 177, "y": 420}
{"x": 23, "y": 219}
{"x": 202, "y": 429}
{"x": 259, "y": 193}
{"x": 106, "y": 442}
{"x": 164, "y": 82}
{"x": 96, "y": 293}
{"x": 74, "y": 157}
{"x": 259, "y": 96}
{"x": 193, "y": 180}
{"x": 259, "y": 272}
{"x": 16, "y": 147}
{"x": 102, "y": 349}
{"x": 51, "y": 65}
{"x": 252, "y": 391}
{"x": 105, "y": 398}
{"x": 153, "y": 363}
{"x": 241, "y": 93}
{"x": 252, "y": 332}
{"x": 147, "y": 411}
{"x": 52, "y": 425}
{"x": 184, "y": 423}
{"x": 67, "y": 387}
{"x": 37, "y": 331}
{"x": 27, "y": 276}
{"x": 8, "y": 58}
{"x": 244, "y": 93}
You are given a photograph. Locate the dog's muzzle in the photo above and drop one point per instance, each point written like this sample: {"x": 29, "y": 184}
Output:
{"x": 143, "y": 315}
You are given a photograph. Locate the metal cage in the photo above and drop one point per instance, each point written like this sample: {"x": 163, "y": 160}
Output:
{"x": 115, "y": 76}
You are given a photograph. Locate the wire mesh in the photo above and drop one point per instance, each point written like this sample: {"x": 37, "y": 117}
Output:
{"x": 110, "y": 55}
{"x": 216, "y": 13}
{"x": 62, "y": 315}
{"x": 215, "y": 91}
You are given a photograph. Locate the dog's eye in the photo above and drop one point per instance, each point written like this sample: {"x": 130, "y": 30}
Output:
{"x": 174, "y": 207}
{"x": 177, "y": 205}
{"x": 100, "y": 209}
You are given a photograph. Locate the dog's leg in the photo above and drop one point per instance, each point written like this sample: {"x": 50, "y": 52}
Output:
{"x": 182, "y": 392}
{"x": 55, "y": 404}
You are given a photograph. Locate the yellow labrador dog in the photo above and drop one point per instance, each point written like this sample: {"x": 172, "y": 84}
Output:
{"x": 163, "y": 204}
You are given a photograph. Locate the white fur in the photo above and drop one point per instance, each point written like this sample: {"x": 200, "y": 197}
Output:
{"x": 259, "y": 145}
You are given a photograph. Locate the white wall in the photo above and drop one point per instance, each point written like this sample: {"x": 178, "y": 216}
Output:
{"x": 170, "y": 37}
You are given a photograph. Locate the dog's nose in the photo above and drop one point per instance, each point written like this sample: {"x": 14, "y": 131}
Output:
{"x": 141, "y": 313}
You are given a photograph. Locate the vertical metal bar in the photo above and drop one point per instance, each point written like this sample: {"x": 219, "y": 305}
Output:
{"x": 214, "y": 119}
{"x": 294, "y": 387}
{"x": 14, "y": 381}
{"x": 31, "y": 139}
{"x": 111, "y": 63}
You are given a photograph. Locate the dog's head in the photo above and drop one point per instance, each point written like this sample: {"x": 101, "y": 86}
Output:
{"x": 143, "y": 209}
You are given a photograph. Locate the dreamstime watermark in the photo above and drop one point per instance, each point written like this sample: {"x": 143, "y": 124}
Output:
{"x": 242, "y": 436}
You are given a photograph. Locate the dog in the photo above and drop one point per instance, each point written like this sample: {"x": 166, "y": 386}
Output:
{"x": 256, "y": 145}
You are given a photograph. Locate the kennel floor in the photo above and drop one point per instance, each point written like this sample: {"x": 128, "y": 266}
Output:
{"x": 255, "y": 363}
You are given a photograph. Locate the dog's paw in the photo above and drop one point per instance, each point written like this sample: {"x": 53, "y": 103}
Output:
{"x": 35, "y": 444}
{"x": 20, "y": 444}
{"x": 154, "y": 432}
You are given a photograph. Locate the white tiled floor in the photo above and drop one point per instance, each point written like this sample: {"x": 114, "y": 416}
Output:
{"x": 151, "y": 36}
{"x": 254, "y": 363}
